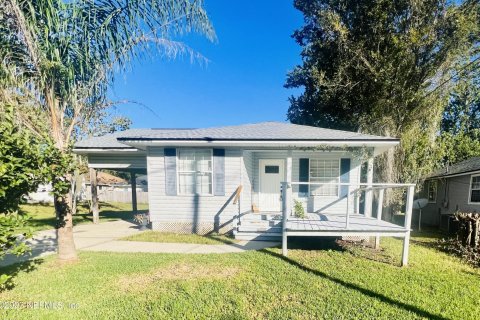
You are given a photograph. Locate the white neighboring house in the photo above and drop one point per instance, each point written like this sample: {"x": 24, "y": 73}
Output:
{"x": 42, "y": 195}
{"x": 142, "y": 183}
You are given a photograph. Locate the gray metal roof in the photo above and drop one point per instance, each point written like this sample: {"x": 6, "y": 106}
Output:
{"x": 249, "y": 132}
{"x": 466, "y": 166}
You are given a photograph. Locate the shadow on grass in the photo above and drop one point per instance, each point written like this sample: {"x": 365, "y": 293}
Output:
{"x": 314, "y": 243}
{"x": 108, "y": 212}
{"x": 14, "y": 269}
{"x": 221, "y": 238}
{"x": 351, "y": 286}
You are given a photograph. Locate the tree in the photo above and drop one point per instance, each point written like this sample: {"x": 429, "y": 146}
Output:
{"x": 68, "y": 51}
{"x": 460, "y": 126}
{"x": 383, "y": 67}
{"x": 25, "y": 162}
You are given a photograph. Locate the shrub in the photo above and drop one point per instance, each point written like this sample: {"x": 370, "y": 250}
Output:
{"x": 298, "y": 210}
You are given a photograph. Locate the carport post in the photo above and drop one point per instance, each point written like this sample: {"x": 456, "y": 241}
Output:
{"x": 133, "y": 183}
{"x": 94, "y": 193}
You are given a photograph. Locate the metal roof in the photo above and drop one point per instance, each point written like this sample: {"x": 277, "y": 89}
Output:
{"x": 265, "y": 131}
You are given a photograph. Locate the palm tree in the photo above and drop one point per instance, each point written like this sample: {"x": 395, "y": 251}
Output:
{"x": 63, "y": 56}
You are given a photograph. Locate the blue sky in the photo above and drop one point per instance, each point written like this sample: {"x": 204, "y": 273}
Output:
{"x": 243, "y": 83}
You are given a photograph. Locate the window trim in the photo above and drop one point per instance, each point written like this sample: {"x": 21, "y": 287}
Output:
{"x": 436, "y": 191}
{"x": 211, "y": 194}
{"x": 309, "y": 178}
{"x": 470, "y": 190}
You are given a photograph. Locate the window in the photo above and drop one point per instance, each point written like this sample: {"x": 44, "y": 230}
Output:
{"x": 432, "y": 191}
{"x": 272, "y": 169}
{"x": 194, "y": 171}
{"x": 327, "y": 171}
{"x": 475, "y": 189}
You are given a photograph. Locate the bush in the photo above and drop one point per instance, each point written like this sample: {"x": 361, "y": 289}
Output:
{"x": 469, "y": 254}
{"x": 298, "y": 210}
{"x": 469, "y": 229}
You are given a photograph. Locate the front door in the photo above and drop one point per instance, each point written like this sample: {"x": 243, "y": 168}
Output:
{"x": 271, "y": 175}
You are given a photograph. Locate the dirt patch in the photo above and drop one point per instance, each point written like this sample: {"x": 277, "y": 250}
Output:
{"x": 177, "y": 271}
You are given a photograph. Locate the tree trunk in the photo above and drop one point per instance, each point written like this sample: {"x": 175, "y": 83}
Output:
{"x": 66, "y": 245}
{"x": 63, "y": 203}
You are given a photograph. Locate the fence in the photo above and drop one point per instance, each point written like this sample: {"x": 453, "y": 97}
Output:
{"x": 119, "y": 196}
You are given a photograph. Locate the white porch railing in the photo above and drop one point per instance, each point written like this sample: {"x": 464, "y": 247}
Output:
{"x": 354, "y": 189}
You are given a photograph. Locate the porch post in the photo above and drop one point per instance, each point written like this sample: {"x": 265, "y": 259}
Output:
{"x": 379, "y": 215}
{"x": 289, "y": 166}
{"x": 94, "y": 194}
{"x": 408, "y": 224}
{"x": 285, "y": 212}
{"x": 369, "y": 192}
{"x": 133, "y": 183}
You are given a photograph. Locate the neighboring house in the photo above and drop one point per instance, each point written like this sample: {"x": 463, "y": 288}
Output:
{"x": 450, "y": 189}
{"x": 43, "y": 194}
{"x": 111, "y": 188}
{"x": 142, "y": 182}
{"x": 107, "y": 181}
{"x": 193, "y": 174}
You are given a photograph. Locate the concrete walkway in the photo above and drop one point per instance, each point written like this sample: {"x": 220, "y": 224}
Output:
{"x": 103, "y": 237}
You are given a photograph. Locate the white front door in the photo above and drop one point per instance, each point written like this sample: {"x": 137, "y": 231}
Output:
{"x": 271, "y": 175}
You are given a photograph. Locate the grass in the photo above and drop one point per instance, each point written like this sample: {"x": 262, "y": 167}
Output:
{"x": 167, "y": 237}
{"x": 330, "y": 281}
{"x": 43, "y": 215}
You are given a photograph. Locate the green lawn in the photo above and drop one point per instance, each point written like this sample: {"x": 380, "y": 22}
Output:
{"x": 155, "y": 236}
{"x": 330, "y": 282}
{"x": 43, "y": 215}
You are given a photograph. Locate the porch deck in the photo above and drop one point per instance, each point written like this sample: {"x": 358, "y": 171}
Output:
{"x": 335, "y": 225}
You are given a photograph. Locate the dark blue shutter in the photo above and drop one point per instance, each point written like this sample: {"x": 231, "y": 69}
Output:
{"x": 170, "y": 171}
{"x": 344, "y": 176}
{"x": 219, "y": 172}
{"x": 303, "y": 174}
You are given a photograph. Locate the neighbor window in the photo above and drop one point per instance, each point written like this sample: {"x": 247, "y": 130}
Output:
{"x": 432, "y": 191}
{"x": 326, "y": 171}
{"x": 475, "y": 189}
{"x": 194, "y": 171}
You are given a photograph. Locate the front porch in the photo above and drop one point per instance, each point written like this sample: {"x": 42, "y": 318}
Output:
{"x": 327, "y": 185}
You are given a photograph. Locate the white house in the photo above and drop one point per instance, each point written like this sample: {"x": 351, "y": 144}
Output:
{"x": 231, "y": 178}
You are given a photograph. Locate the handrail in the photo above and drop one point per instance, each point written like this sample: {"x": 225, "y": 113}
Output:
{"x": 287, "y": 207}
{"x": 368, "y": 187}
{"x": 237, "y": 194}
{"x": 387, "y": 185}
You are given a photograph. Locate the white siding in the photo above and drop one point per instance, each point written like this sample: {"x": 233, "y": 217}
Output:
{"x": 191, "y": 208}
{"x": 119, "y": 161}
{"x": 241, "y": 167}
{"x": 247, "y": 181}
{"x": 322, "y": 204}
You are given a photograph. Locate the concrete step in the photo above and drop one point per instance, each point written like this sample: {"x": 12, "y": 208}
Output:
{"x": 257, "y": 236}
{"x": 266, "y": 229}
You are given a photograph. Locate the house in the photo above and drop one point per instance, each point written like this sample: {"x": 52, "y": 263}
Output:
{"x": 43, "y": 194}
{"x": 107, "y": 181}
{"x": 244, "y": 178}
{"x": 451, "y": 189}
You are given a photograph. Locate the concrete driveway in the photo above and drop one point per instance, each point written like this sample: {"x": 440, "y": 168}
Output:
{"x": 104, "y": 237}
{"x": 86, "y": 235}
